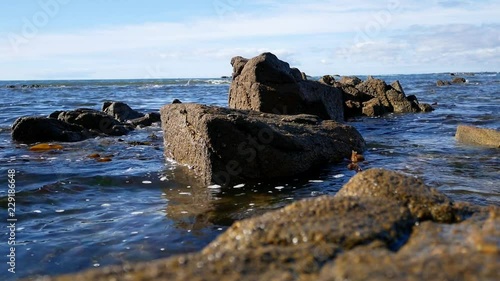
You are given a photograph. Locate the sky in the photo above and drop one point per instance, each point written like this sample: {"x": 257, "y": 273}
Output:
{"x": 123, "y": 39}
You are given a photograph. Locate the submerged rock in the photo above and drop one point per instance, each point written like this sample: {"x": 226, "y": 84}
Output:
{"x": 373, "y": 232}
{"x": 227, "y": 145}
{"x": 267, "y": 84}
{"x": 478, "y": 136}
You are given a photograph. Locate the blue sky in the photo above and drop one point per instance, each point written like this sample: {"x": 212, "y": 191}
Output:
{"x": 97, "y": 39}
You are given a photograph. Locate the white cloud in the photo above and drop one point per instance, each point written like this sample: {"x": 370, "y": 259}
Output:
{"x": 313, "y": 35}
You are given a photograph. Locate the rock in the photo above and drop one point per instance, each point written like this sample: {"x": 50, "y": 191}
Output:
{"x": 424, "y": 107}
{"x": 400, "y": 103}
{"x": 269, "y": 85}
{"x": 147, "y": 120}
{"x": 43, "y": 129}
{"x": 465, "y": 251}
{"x": 441, "y": 83}
{"x": 423, "y": 202}
{"x": 371, "y": 230}
{"x": 376, "y": 88}
{"x": 120, "y": 111}
{"x": 458, "y": 80}
{"x": 352, "y": 109}
{"x": 327, "y": 80}
{"x": 238, "y": 63}
{"x": 93, "y": 120}
{"x": 373, "y": 108}
{"x": 350, "y": 80}
{"x": 176, "y": 101}
{"x": 478, "y": 136}
{"x": 226, "y": 145}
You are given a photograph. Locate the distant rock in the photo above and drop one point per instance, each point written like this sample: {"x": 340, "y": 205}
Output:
{"x": 327, "y": 80}
{"x": 377, "y": 98}
{"x": 43, "y": 129}
{"x": 478, "y": 136}
{"x": 382, "y": 225}
{"x": 458, "y": 80}
{"x": 120, "y": 111}
{"x": 350, "y": 80}
{"x": 225, "y": 145}
{"x": 269, "y": 85}
{"x": 441, "y": 83}
{"x": 176, "y": 101}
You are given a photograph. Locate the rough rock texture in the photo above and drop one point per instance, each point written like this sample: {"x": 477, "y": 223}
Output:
{"x": 376, "y": 97}
{"x": 478, "y": 136}
{"x": 370, "y": 235}
{"x": 120, "y": 111}
{"x": 226, "y": 145}
{"x": 43, "y": 129}
{"x": 267, "y": 84}
{"x": 466, "y": 251}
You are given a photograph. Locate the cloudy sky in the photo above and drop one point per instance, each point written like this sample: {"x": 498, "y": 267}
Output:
{"x": 97, "y": 39}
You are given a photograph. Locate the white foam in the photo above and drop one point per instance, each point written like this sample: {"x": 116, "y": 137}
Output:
{"x": 316, "y": 181}
{"x": 239, "y": 185}
{"x": 215, "y": 186}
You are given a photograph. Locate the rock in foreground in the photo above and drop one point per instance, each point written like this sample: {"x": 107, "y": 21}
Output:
{"x": 267, "y": 84}
{"x": 232, "y": 146}
{"x": 350, "y": 236}
{"x": 478, "y": 136}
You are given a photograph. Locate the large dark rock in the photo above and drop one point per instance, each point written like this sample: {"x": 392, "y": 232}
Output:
{"x": 381, "y": 226}
{"x": 226, "y": 145}
{"x": 120, "y": 111}
{"x": 267, "y": 84}
{"x": 93, "y": 120}
{"x": 43, "y": 129}
{"x": 478, "y": 136}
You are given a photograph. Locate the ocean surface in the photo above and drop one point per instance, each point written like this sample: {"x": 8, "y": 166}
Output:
{"x": 75, "y": 213}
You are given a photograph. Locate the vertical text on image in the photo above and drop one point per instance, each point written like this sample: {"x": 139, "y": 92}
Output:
{"x": 11, "y": 220}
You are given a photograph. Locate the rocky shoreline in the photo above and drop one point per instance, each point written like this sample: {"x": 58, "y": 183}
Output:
{"x": 381, "y": 225}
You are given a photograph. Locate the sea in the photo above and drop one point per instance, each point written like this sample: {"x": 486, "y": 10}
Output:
{"x": 75, "y": 213}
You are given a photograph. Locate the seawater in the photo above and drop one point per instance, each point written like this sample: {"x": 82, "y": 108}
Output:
{"x": 75, "y": 213}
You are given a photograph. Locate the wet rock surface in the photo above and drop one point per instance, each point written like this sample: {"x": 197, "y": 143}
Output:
{"x": 267, "y": 84}
{"x": 377, "y": 233}
{"x": 116, "y": 119}
{"x": 226, "y": 146}
{"x": 43, "y": 129}
{"x": 478, "y": 136}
